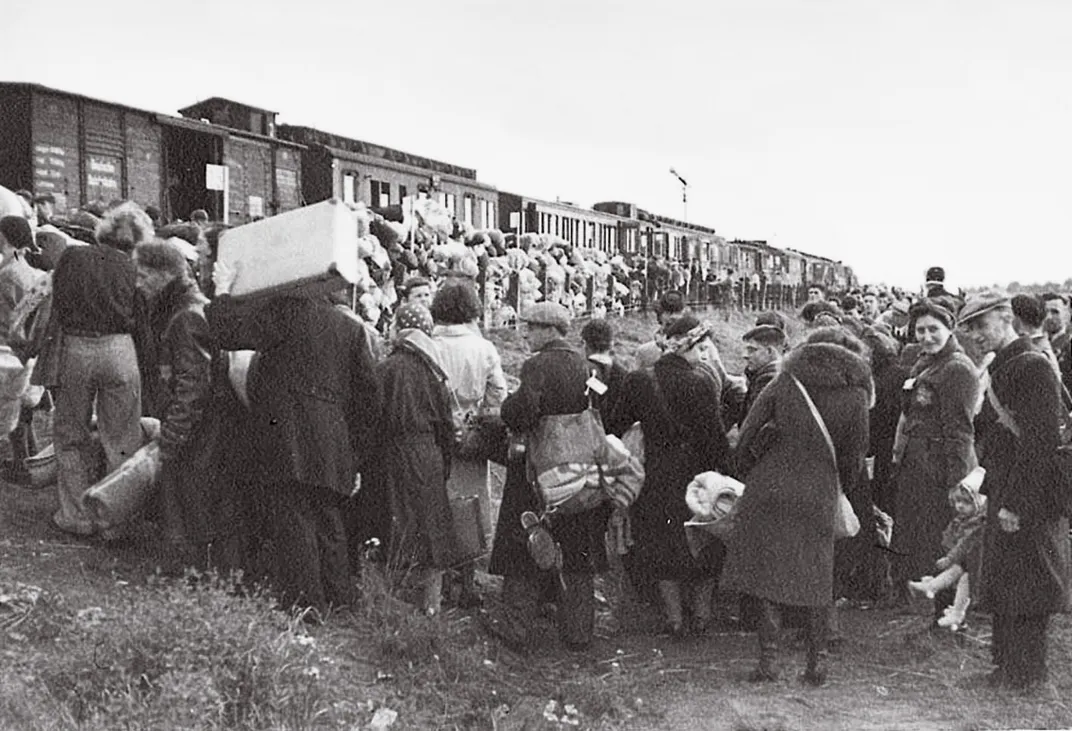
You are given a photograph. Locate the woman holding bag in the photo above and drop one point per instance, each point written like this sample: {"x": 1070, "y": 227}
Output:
{"x": 677, "y": 406}
{"x": 477, "y": 386}
{"x": 781, "y": 549}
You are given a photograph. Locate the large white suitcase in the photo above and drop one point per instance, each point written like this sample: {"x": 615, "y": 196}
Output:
{"x": 314, "y": 247}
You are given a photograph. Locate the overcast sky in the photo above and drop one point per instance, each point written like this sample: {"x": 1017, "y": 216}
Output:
{"x": 891, "y": 135}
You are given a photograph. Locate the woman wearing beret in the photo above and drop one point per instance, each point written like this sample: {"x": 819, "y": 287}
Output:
{"x": 934, "y": 446}
{"x": 677, "y": 405}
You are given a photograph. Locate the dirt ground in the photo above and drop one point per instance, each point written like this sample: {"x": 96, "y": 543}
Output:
{"x": 891, "y": 672}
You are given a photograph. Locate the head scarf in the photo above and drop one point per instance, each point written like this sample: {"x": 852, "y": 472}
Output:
{"x": 684, "y": 342}
{"x": 414, "y": 316}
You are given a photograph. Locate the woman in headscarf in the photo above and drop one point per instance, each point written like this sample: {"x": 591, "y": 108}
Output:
{"x": 415, "y": 439}
{"x": 677, "y": 406}
{"x": 935, "y": 444}
{"x": 781, "y": 548}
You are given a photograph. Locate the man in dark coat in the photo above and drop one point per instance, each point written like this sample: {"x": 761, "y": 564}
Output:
{"x": 552, "y": 382}
{"x": 199, "y": 505}
{"x": 763, "y": 348}
{"x": 313, "y": 397}
{"x": 1025, "y": 561}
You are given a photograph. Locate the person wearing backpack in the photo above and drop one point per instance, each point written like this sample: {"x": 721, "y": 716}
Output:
{"x": 1024, "y": 573}
{"x": 553, "y": 383}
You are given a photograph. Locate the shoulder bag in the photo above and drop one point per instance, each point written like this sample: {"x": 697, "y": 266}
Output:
{"x": 1062, "y": 460}
{"x": 846, "y": 524}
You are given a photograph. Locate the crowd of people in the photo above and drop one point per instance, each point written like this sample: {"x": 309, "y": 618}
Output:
{"x": 338, "y": 427}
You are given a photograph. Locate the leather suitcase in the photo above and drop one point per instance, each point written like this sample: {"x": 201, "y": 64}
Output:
{"x": 315, "y": 247}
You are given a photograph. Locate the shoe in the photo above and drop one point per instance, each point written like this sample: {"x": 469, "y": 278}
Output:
{"x": 673, "y": 630}
{"x": 700, "y": 626}
{"x": 922, "y": 587}
{"x": 951, "y": 619}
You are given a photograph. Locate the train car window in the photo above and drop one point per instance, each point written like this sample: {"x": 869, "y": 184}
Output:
{"x": 401, "y": 193}
{"x": 348, "y": 188}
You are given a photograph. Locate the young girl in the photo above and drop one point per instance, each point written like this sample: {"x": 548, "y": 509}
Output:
{"x": 961, "y": 540}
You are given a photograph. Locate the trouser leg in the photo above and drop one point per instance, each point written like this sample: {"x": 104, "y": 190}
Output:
{"x": 998, "y": 641}
{"x": 520, "y": 598}
{"x": 577, "y": 609}
{"x": 767, "y": 636}
{"x": 670, "y": 591}
{"x": 297, "y": 565}
{"x": 1026, "y": 649}
{"x": 74, "y": 410}
{"x": 818, "y": 619}
{"x": 119, "y": 401}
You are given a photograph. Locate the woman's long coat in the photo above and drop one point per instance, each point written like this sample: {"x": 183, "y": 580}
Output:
{"x": 938, "y": 453}
{"x": 552, "y": 382}
{"x": 782, "y": 546}
{"x": 1026, "y": 572}
{"x": 678, "y": 409}
{"x": 415, "y": 436}
{"x": 199, "y": 501}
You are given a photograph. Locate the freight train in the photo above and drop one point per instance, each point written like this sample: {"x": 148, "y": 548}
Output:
{"x": 234, "y": 161}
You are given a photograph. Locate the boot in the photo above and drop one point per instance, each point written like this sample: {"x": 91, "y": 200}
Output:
{"x": 814, "y": 674}
{"x": 924, "y": 587}
{"x": 670, "y": 591}
{"x": 431, "y": 591}
{"x": 468, "y": 598}
{"x": 767, "y": 634}
{"x": 701, "y": 604}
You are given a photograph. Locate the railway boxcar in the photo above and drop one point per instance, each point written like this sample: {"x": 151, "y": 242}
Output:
{"x": 582, "y": 227}
{"x": 353, "y": 170}
{"x": 84, "y": 150}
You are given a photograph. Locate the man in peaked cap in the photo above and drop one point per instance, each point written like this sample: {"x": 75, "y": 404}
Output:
{"x": 1025, "y": 564}
{"x": 935, "y": 287}
{"x": 553, "y": 382}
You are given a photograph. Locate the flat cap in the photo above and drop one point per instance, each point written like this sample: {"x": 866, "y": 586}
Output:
{"x": 547, "y": 313}
{"x": 765, "y": 334}
{"x": 982, "y": 303}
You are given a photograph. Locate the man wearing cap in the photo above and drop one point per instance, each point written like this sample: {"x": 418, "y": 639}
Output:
{"x": 1025, "y": 555}
{"x": 553, "y": 381}
{"x": 935, "y": 287}
{"x": 669, "y": 306}
{"x": 763, "y": 349}
{"x": 1057, "y": 327}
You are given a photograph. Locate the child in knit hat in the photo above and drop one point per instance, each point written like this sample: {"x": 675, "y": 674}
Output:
{"x": 962, "y": 540}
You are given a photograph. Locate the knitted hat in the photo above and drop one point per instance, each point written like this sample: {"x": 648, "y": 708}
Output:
{"x": 935, "y": 309}
{"x": 16, "y": 230}
{"x": 413, "y": 316}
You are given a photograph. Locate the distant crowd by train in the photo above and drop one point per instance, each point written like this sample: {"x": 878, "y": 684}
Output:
{"x": 235, "y": 164}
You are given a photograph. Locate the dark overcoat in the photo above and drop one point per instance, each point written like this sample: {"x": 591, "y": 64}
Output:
{"x": 677, "y": 406}
{"x": 413, "y": 456}
{"x": 782, "y": 545}
{"x": 552, "y": 382}
{"x": 939, "y": 452}
{"x": 313, "y": 394}
{"x": 889, "y": 376}
{"x": 1026, "y": 572}
{"x": 199, "y": 503}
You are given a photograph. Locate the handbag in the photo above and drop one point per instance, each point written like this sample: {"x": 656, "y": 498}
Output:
{"x": 478, "y": 437}
{"x": 846, "y": 524}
